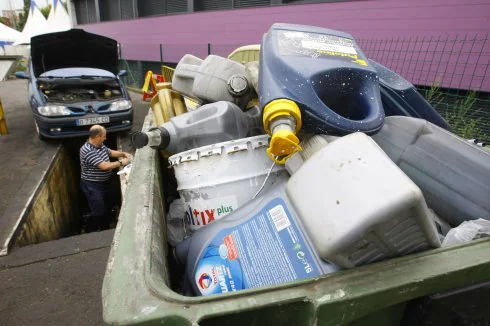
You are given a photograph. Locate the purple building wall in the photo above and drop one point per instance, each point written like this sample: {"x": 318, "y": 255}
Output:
{"x": 445, "y": 28}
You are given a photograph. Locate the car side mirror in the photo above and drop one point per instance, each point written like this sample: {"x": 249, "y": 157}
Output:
{"x": 21, "y": 75}
{"x": 122, "y": 73}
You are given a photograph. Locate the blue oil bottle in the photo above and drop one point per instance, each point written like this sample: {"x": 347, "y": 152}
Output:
{"x": 318, "y": 79}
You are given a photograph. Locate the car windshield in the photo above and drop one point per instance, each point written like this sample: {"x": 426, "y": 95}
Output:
{"x": 81, "y": 73}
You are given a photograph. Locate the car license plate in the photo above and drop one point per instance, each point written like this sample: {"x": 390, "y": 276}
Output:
{"x": 92, "y": 121}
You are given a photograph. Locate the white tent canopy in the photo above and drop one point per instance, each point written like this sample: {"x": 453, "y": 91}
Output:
{"x": 8, "y": 34}
{"x": 58, "y": 19}
{"x": 36, "y": 24}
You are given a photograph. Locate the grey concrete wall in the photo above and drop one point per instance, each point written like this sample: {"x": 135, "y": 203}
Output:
{"x": 55, "y": 211}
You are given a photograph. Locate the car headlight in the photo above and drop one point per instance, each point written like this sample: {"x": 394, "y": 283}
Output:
{"x": 120, "y": 105}
{"x": 53, "y": 110}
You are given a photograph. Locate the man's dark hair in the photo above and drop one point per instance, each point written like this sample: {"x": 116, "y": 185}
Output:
{"x": 95, "y": 131}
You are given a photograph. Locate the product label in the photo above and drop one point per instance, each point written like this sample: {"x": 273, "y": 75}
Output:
{"x": 202, "y": 212}
{"x": 316, "y": 45}
{"x": 267, "y": 249}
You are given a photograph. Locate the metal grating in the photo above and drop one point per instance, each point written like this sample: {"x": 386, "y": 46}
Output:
{"x": 148, "y": 8}
{"x": 92, "y": 17}
{"x": 205, "y": 5}
{"x": 127, "y": 9}
{"x": 311, "y": 1}
{"x": 81, "y": 11}
{"x": 176, "y": 6}
{"x": 450, "y": 71}
{"x": 250, "y": 3}
{"x": 109, "y": 10}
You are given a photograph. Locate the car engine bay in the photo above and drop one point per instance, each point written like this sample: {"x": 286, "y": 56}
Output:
{"x": 78, "y": 92}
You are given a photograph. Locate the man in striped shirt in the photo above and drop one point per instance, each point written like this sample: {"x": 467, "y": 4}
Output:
{"x": 96, "y": 170}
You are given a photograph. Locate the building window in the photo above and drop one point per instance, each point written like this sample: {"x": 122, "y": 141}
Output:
{"x": 208, "y": 5}
{"x": 111, "y": 10}
{"x": 250, "y": 3}
{"x": 147, "y": 8}
{"x": 127, "y": 9}
{"x": 312, "y": 1}
{"x": 176, "y": 6}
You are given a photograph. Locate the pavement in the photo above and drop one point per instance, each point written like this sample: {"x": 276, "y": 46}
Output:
{"x": 24, "y": 158}
{"x": 56, "y": 282}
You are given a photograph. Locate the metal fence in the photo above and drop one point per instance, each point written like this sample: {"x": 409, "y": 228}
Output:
{"x": 452, "y": 72}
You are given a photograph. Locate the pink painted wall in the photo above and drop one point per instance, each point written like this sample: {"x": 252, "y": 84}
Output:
{"x": 418, "y": 26}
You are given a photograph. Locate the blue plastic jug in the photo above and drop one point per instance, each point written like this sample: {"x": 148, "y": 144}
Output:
{"x": 318, "y": 79}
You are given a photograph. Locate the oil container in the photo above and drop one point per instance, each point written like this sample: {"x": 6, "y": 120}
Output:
{"x": 316, "y": 78}
{"x": 210, "y": 124}
{"x": 453, "y": 174}
{"x": 212, "y": 79}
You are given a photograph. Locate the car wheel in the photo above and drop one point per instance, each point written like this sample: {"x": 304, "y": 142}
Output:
{"x": 41, "y": 137}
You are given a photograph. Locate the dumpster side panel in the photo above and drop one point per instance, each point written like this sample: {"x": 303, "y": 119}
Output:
{"x": 124, "y": 279}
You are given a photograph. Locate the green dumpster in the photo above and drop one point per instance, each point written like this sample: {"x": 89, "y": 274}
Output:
{"x": 137, "y": 288}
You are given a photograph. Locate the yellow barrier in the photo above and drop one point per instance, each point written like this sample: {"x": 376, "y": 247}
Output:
{"x": 3, "y": 123}
{"x": 168, "y": 73}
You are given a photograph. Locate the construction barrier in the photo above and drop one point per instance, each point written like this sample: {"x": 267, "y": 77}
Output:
{"x": 168, "y": 73}
{"x": 151, "y": 79}
{"x": 3, "y": 123}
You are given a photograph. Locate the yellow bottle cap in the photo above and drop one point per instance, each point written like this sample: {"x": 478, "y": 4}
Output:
{"x": 281, "y": 107}
{"x": 284, "y": 143}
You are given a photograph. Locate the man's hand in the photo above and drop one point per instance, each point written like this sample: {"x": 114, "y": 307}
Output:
{"x": 128, "y": 156}
{"x": 125, "y": 161}
{"x": 118, "y": 154}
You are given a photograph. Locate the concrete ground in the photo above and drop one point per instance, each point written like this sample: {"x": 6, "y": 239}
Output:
{"x": 56, "y": 282}
{"x": 23, "y": 157}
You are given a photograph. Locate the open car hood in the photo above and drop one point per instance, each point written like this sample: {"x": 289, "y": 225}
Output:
{"x": 73, "y": 48}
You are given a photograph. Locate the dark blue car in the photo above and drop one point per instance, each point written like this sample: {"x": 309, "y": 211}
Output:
{"x": 74, "y": 82}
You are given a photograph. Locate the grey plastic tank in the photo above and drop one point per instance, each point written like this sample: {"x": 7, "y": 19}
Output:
{"x": 213, "y": 79}
{"x": 453, "y": 174}
{"x": 211, "y": 123}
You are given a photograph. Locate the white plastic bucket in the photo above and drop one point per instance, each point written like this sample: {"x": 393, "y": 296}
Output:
{"x": 215, "y": 180}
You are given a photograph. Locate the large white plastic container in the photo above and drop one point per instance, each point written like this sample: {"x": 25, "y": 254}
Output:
{"x": 360, "y": 207}
{"x": 215, "y": 180}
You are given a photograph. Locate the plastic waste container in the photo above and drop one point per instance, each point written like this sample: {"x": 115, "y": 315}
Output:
{"x": 137, "y": 284}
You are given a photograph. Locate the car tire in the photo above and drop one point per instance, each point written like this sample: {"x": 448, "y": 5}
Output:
{"x": 39, "y": 135}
